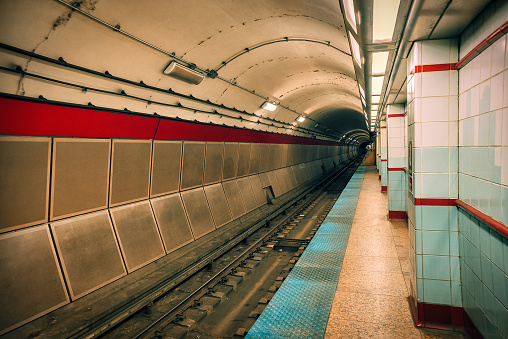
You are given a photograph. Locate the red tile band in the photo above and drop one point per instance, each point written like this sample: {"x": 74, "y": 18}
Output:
{"x": 397, "y": 215}
{"x": 384, "y": 159}
{"x": 384, "y": 189}
{"x": 24, "y": 117}
{"x": 434, "y": 202}
{"x": 394, "y": 169}
{"x": 382, "y": 127}
{"x": 491, "y": 222}
{"x": 496, "y": 35}
{"x": 401, "y": 115}
{"x": 433, "y": 68}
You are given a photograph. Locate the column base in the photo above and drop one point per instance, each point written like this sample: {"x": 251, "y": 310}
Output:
{"x": 442, "y": 317}
{"x": 384, "y": 189}
{"x": 397, "y": 215}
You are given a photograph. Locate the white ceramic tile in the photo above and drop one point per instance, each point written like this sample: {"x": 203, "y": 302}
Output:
{"x": 468, "y": 133}
{"x": 498, "y": 56}
{"x": 497, "y": 92}
{"x": 435, "y": 160}
{"x": 505, "y": 87}
{"x": 476, "y": 130}
{"x": 453, "y": 133}
{"x": 453, "y": 107}
{"x": 464, "y": 78}
{"x": 454, "y": 159}
{"x": 435, "y": 109}
{"x": 461, "y": 133}
{"x": 435, "y": 52}
{"x": 435, "y": 83}
{"x": 496, "y": 128}
{"x": 485, "y": 60}
{"x": 454, "y": 50}
{"x": 504, "y": 166}
{"x": 417, "y": 134}
{"x": 475, "y": 101}
{"x": 435, "y": 185}
{"x": 464, "y": 104}
{"x": 504, "y": 128}
{"x": 485, "y": 94}
{"x": 454, "y": 185}
{"x": 417, "y": 109}
{"x": 454, "y": 82}
{"x": 483, "y": 129}
{"x": 475, "y": 71}
{"x": 417, "y": 83}
{"x": 434, "y": 134}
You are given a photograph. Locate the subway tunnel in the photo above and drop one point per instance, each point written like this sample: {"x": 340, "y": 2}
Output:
{"x": 140, "y": 141}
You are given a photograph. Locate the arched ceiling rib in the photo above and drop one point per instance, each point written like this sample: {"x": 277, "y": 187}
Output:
{"x": 310, "y": 72}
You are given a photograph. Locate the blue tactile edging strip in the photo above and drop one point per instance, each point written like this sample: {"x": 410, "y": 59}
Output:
{"x": 301, "y": 306}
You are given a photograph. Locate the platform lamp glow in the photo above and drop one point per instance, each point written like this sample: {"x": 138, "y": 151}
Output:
{"x": 269, "y": 106}
{"x": 184, "y": 73}
{"x": 300, "y": 119}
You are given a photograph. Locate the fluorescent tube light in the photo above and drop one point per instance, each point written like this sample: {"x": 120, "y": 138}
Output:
{"x": 375, "y": 99}
{"x": 356, "y": 49}
{"x": 379, "y": 61}
{"x": 377, "y": 85}
{"x": 269, "y": 106}
{"x": 184, "y": 73}
{"x": 383, "y": 19}
{"x": 349, "y": 8}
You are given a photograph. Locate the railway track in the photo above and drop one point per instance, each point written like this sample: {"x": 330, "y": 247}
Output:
{"x": 176, "y": 309}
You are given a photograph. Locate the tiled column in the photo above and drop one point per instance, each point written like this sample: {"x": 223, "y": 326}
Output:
{"x": 433, "y": 185}
{"x": 397, "y": 191}
{"x": 383, "y": 166}
{"x": 378, "y": 153}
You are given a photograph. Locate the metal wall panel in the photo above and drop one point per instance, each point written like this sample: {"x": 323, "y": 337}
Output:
{"x": 138, "y": 235}
{"x": 230, "y": 166}
{"x": 275, "y": 184}
{"x": 277, "y": 155}
{"x": 213, "y": 162}
{"x": 130, "y": 171}
{"x": 31, "y": 283}
{"x": 24, "y": 181}
{"x": 234, "y": 197}
{"x": 89, "y": 252}
{"x": 257, "y": 189}
{"x": 243, "y": 159}
{"x": 267, "y": 159}
{"x": 172, "y": 220}
{"x": 265, "y": 180}
{"x": 79, "y": 165}
{"x": 198, "y": 212}
{"x": 218, "y": 204}
{"x": 255, "y": 149}
{"x": 166, "y": 166}
{"x": 284, "y": 156}
{"x": 281, "y": 179}
{"x": 247, "y": 194}
{"x": 193, "y": 164}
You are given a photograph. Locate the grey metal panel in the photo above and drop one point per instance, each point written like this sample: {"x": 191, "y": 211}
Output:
{"x": 166, "y": 165}
{"x": 24, "y": 181}
{"x": 138, "y": 235}
{"x": 255, "y": 149}
{"x": 247, "y": 194}
{"x": 130, "y": 171}
{"x": 297, "y": 170}
{"x": 284, "y": 156}
{"x": 283, "y": 182}
{"x": 277, "y": 155}
{"x": 79, "y": 165}
{"x": 265, "y": 180}
{"x": 243, "y": 159}
{"x": 230, "y": 160}
{"x": 31, "y": 283}
{"x": 213, "y": 162}
{"x": 172, "y": 220}
{"x": 275, "y": 184}
{"x": 88, "y": 251}
{"x": 198, "y": 212}
{"x": 291, "y": 155}
{"x": 218, "y": 204}
{"x": 257, "y": 189}
{"x": 267, "y": 157}
{"x": 234, "y": 197}
{"x": 193, "y": 164}
{"x": 292, "y": 178}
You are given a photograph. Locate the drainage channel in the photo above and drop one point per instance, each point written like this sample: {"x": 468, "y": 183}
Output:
{"x": 225, "y": 298}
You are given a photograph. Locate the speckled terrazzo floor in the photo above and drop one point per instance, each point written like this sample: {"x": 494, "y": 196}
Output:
{"x": 371, "y": 296}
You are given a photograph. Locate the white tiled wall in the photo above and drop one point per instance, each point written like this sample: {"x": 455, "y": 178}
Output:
{"x": 397, "y": 189}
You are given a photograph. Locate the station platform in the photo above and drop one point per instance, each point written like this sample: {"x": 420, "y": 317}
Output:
{"x": 352, "y": 281}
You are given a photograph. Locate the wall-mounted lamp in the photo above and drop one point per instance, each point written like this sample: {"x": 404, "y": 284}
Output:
{"x": 269, "y": 106}
{"x": 301, "y": 119}
{"x": 184, "y": 73}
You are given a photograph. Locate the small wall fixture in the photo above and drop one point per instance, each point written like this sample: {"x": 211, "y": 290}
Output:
{"x": 300, "y": 119}
{"x": 184, "y": 73}
{"x": 269, "y": 106}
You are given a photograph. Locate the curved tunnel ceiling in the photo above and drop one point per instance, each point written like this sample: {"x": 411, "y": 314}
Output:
{"x": 294, "y": 52}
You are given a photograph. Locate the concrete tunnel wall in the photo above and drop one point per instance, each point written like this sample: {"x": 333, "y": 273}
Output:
{"x": 90, "y": 196}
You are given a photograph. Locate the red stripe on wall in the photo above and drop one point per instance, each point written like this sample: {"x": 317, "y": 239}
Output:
{"x": 384, "y": 159}
{"x": 22, "y": 117}
{"x": 491, "y": 222}
{"x": 483, "y": 45}
{"x": 401, "y": 115}
{"x": 393, "y": 169}
{"x": 434, "y": 202}
{"x": 18, "y": 117}
{"x": 434, "y": 68}
{"x": 382, "y": 127}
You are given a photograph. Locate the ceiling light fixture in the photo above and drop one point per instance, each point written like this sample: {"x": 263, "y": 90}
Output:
{"x": 300, "y": 119}
{"x": 379, "y": 61}
{"x": 383, "y": 19}
{"x": 377, "y": 85}
{"x": 269, "y": 106}
{"x": 356, "y": 49}
{"x": 184, "y": 73}
{"x": 349, "y": 8}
